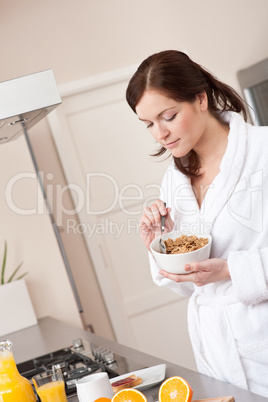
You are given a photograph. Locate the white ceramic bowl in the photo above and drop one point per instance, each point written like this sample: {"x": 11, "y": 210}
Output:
{"x": 174, "y": 263}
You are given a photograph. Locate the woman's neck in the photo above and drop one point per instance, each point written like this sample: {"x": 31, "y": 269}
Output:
{"x": 213, "y": 143}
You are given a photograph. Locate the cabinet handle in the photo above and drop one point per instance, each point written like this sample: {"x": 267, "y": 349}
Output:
{"x": 90, "y": 328}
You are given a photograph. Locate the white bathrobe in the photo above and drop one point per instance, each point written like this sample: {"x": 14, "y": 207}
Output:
{"x": 228, "y": 320}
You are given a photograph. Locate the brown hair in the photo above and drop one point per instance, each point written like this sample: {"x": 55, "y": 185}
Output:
{"x": 178, "y": 77}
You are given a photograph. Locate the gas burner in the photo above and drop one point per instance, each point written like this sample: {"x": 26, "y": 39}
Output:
{"x": 77, "y": 361}
{"x": 73, "y": 365}
{"x": 72, "y": 376}
{"x": 80, "y": 372}
{"x": 65, "y": 362}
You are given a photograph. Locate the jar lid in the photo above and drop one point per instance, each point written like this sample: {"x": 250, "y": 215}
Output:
{"x": 5, "y": 344}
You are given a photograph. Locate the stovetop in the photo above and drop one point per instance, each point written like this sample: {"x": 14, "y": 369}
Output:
{"x": 77, "y": 361}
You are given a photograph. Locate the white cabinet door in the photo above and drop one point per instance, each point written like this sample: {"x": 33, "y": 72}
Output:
{"x": 105, "y": 152}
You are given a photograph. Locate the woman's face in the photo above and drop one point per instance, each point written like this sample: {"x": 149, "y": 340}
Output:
{"x": 177, "y": 126}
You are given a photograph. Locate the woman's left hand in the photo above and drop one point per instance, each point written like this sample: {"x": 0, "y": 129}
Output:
{"x": 208, "y": 271}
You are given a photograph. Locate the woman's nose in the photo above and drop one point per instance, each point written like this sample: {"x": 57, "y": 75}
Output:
{"x": 161, "y": 132}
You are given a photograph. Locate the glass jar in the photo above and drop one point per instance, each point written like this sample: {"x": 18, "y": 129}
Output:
{"x": 13, "y": 387}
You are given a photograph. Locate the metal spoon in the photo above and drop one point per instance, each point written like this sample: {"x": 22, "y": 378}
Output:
{"x": 161, "y": 242}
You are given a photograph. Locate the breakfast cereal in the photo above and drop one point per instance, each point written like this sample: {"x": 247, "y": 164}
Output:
{"x": 185, "y": 244}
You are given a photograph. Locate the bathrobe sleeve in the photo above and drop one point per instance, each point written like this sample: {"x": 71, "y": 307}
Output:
{"x": 249, "y": 274}
{"x": 248, "y": 266}
{"x": 171, "y": 180}
{"x": 183, "y": 289}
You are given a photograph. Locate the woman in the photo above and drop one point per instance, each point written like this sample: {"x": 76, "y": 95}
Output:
{"x": 216, "y": 183}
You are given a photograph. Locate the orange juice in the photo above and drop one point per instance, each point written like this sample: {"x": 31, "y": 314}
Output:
{"x": 52, "y": 391}
{"x": 13, "y": 387}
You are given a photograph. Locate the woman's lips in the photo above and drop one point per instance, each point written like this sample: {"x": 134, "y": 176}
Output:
{"x": 172, "y": 144}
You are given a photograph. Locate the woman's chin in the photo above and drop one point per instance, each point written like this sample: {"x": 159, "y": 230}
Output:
{"x": 178, "y": 153}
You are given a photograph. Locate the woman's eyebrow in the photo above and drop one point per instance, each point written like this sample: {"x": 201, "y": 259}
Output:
{"x": 159, "y": 114}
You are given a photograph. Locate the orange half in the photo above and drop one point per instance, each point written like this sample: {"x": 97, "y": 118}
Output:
{"x": 103, "y": 399}
{"x": 175, "y": 389}
{"x": 129, "y": 395}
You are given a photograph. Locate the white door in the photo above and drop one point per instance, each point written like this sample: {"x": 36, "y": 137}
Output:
{"x": 105, "y": 152}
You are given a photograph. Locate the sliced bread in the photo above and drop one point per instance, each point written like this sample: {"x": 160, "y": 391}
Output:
{"x": 127, "y": 382}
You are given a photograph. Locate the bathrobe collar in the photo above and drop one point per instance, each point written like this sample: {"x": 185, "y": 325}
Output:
{"x": 219, "y": 191}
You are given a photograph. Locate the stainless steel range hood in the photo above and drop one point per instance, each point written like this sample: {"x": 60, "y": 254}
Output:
{"x": 24, "y": 101}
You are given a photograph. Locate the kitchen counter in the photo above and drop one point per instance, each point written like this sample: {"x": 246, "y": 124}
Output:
{"x": 50, "y": 335}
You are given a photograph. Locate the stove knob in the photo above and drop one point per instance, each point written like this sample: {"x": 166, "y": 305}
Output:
{"x": 100, "y": 353}
{"x": 108, "y": 357}
{"x": 78, "y": 343}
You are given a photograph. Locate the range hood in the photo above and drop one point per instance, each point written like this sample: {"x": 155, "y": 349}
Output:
{"x": 25, "y": 101}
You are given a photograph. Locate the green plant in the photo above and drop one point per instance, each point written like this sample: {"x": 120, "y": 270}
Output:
{"x": 12, "y": 277}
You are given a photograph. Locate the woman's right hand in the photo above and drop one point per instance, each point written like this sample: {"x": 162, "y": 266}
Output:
{"x": 150, "y": 224}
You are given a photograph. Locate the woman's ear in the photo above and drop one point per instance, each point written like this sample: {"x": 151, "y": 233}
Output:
{"x": 202, "y": 100}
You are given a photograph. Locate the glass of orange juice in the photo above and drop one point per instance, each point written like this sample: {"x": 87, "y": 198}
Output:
{"x": 50, "y": 386}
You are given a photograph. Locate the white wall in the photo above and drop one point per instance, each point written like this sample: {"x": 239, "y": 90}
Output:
{"x": 85, "y": 37}
{"x": 30, "y": 237}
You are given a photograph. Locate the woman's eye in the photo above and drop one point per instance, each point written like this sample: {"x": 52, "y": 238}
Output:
{"x": 172, "y": 117}
{"x": 149, "y": 125}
